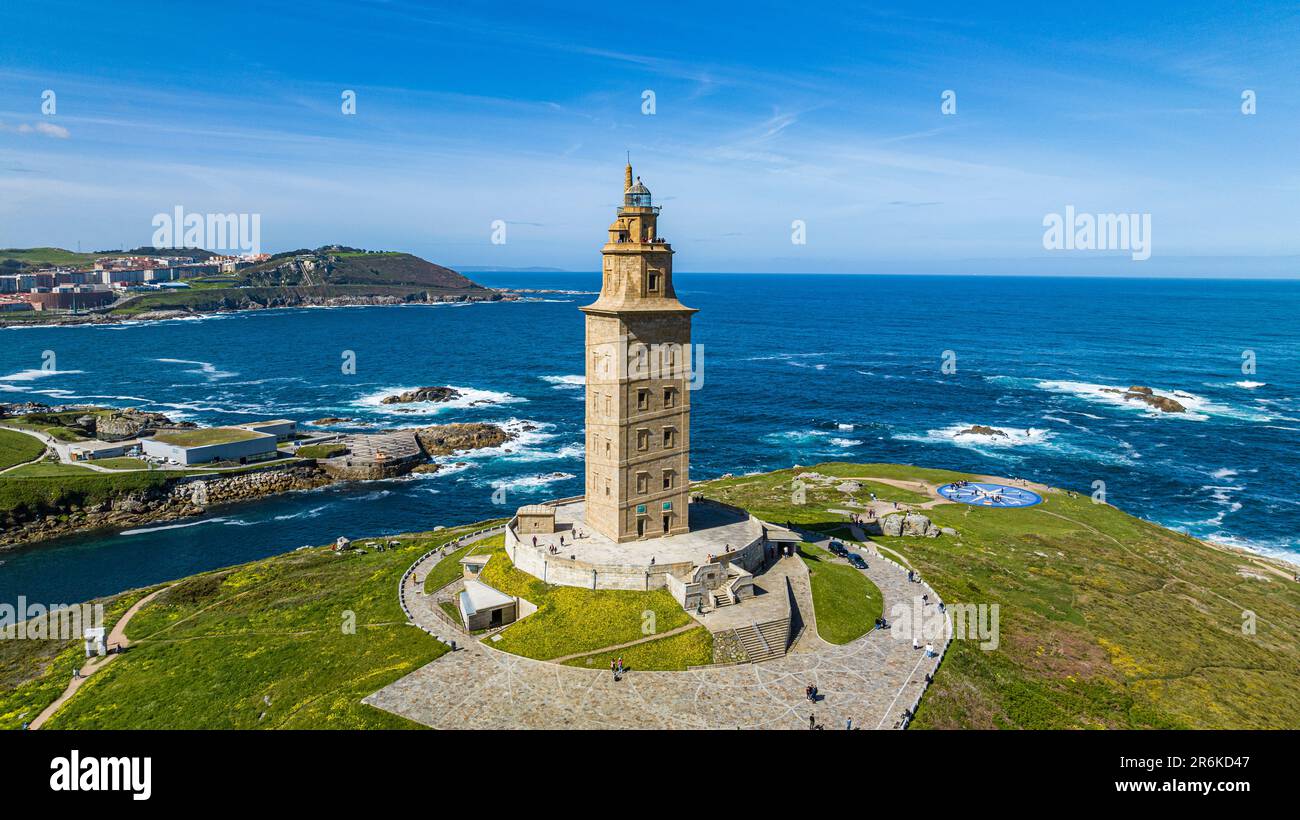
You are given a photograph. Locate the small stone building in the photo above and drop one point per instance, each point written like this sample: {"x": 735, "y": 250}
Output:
{"x": 780, "y": 541}
{"x": 535, "y": 519}
{"x": 482, "y": 607}
{"x": 471, "y": 566}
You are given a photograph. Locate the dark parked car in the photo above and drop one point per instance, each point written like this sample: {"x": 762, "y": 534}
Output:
{"x": 856, "y": 560}
{"x": 838, "y": 549}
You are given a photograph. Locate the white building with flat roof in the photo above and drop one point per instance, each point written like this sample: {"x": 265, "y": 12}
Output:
{"x": 188, "y": 447}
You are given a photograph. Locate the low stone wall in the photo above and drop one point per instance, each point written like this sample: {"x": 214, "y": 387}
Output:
{"x": 341, "y": 469}
{"x": 564, "y": 571}
{"x": 688, "y": 583}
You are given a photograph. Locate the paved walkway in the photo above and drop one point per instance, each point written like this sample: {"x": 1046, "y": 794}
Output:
{"x": 871, "y": 680}
{"x": 116, "y": 637}
{"x": 62, "y": 449}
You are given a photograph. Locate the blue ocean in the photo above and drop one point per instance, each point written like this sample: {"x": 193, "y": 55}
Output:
{"x": 796, "y": 369}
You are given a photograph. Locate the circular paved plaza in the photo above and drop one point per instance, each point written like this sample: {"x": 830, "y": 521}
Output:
{"x": 983, "y": 494}
{"x": 871, "y": 680}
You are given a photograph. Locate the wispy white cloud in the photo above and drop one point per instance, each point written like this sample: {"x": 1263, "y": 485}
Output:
{"x": 45, "y": 129}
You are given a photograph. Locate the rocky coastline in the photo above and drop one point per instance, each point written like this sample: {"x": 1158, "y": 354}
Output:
{"x": 179, "y": 498}
{"x": 287, "y": 299}
{"x": 187, "y": 496}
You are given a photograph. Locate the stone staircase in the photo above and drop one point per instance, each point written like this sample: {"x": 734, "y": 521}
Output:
{"x": 722, "y": 597}
{"x": 765, "y": 641}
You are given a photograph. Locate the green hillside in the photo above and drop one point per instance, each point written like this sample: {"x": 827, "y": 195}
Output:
{"x": 293, "y": 641}
{"x": 348, "y": 266}
{"x": 18, "y": 258}
{"x": 1106, "y": 621}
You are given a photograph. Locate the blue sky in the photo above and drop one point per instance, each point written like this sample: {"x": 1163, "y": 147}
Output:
{"x": 765, "y": 113}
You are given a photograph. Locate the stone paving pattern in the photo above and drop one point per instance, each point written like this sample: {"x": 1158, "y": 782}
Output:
{"x": 871, "y": 680}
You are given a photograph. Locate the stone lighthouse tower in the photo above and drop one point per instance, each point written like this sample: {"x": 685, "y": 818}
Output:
{"x": 638, "y": 405}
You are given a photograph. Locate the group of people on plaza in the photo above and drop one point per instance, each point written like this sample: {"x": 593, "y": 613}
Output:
{"x": 553, "y": 549}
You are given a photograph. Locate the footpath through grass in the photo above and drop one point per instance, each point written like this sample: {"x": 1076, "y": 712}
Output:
{"x": 1105, "y": 620}
{"x": 293, "y": 641}
{"x": 34, "y": 672}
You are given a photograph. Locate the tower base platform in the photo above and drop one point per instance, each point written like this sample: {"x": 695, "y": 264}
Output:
{"x": 711, "y": 565}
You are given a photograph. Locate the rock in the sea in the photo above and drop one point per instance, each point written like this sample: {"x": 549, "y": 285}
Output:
{"x": 1165, "y": 404}
{"x": 983, "y": 430}
{"x": 419, "y": 394}
{"x": 445, "y": 439}
{"x": 909, "y": 524}
{"x": 1137, "y": 392}
{"x": 331, "y": 420}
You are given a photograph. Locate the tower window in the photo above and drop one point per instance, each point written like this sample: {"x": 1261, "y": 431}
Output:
{"x": 668, "y": 479}
{"x": 653, "y": 283}
{"x": 643, "y": 399}
{"x": 670, "y": 437}
{"x": 670, "y": 397}
{"x": 642, "y": 485}
{"x": 643, "y": 439}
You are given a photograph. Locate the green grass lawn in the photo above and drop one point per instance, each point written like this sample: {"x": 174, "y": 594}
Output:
{"x": 449, "y": 569}
{"x": 1105, "y": 620}
{"x": 16, "y": 448}
{"x": 773, "y": 492}
{"x": 204, "y": 436}
{"x": 321, "y": 450}
{"x": 46, "y": 469}
{"x": 451, "y": 611}
{"x": 122, "y": 463}
{"x": 694, "y": 647}
{"x": 266, "y": 645}
{"x": 52, "y": 256}
{"x": 569, "y": 619}
{"x": 845, "y": 602}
